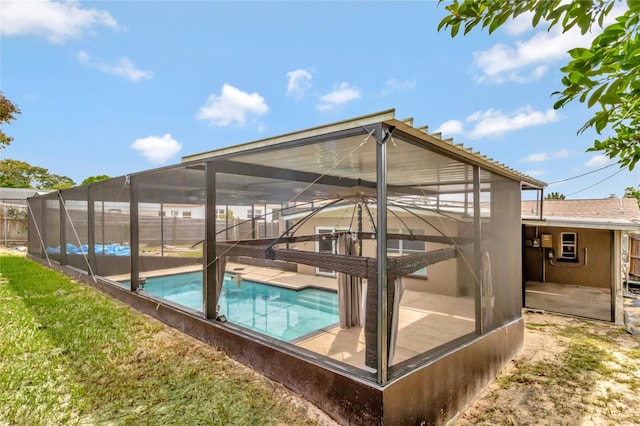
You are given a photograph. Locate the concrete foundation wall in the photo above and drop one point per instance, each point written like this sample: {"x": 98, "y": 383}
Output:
{"x": 437, "y": 392}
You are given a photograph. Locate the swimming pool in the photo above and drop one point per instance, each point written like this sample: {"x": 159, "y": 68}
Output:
{"x": 275, "y": 311}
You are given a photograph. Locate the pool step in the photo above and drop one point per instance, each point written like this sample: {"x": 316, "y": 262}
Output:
{"x": 324, "y": 303}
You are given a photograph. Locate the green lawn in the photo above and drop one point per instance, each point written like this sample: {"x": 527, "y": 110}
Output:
{"x": 71, "y": 355}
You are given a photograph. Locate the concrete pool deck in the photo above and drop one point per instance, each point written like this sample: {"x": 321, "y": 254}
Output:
{"x": 278, "y": 277}
{"x": 426, "y": 320}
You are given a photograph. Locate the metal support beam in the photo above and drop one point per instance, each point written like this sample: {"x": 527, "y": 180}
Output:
{"x": 91, "y": 227}
{"x": 381, "y": 219}
{"x": 162, "y": 229}
{"x": 210, "y": 296}
{"x": 134, "y": 237}
{"x": 477, "y": 257}
{"x": 63, "y": 230}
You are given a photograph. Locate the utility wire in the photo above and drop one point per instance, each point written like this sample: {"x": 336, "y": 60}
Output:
{"x": 597, "y": 183}
{"x": 584, "y": 174}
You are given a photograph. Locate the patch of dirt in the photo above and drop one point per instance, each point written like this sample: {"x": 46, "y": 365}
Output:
{"x": 18, "y": 251}
{"x": 569, "y": 371}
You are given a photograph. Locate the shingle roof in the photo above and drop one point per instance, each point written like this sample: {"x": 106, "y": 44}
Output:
{"x": 607, "y": 210}
{"x": 18, "y": 194}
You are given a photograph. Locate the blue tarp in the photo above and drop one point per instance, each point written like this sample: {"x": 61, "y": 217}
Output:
{"x": 101, "y": 249}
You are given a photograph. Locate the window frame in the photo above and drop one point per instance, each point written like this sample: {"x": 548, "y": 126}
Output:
{"x": 402, "y": 249}
{"x": 568, "y": 248}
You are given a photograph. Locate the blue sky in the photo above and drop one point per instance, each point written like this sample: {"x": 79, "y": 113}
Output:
{"x": 118, "y": 87}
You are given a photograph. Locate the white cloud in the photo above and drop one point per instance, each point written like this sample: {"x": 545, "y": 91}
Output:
{"x": 157, "y": 149}
{"x": 401, "y": 86}
{"x": 543, "y": 156}
{"x": 299, "y": 82}
{"x": 56, "y": 21}
{"x": 562, "y": 153}
{"x": 535, "y": 172}
{"x": 495, "y": 123}
{"x": 341, "y": 94}
{"x": 519, "y": 25}
{"x": 123, "y": 68}
{"x": 528, "y": 60}
{"x": 536, "y": 158}
{"x": 451, "y": 127}
{"x": 232, "y": 106}
{"x": 83, "y": 57}
{"x": 597, "y": 161}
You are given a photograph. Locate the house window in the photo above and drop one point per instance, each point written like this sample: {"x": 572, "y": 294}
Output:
{"x": 327, "y": 245}
{"x": 162, "y": 213}
{"x": 569, "y": 246}
{"x": 254, "y": 213}
{"x": 186, "y": 214}
{"x": 221, "y": 213}
{"x": 407, "y": 246}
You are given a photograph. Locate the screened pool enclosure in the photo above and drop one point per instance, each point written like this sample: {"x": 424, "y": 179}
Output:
{"x": 368, "y": 265}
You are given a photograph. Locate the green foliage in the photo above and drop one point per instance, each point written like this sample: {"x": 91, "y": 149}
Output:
{"x": 52, "y": 181}
{"x": 8, "y": 111}
{"x": 605, "y": 75}
{"x": 555, "y": 196}
{"x": 15, "y": 174}
{"x": 71, "y": 355}
{"x": 93, "y": 179}
{"x": 19, "y": 174}
{"x": 631, "y": 192}
{"x": 17, "y": 212}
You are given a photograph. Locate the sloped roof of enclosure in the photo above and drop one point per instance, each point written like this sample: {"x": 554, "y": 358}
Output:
{"x": 328, "y": 162}
{"x": 266, "y": 151}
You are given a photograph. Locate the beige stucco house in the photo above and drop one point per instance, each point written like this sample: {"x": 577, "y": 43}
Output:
{"x": 574, "y": 254}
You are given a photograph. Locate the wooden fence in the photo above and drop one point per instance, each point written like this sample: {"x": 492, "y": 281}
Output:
{"x": 634, "y": 257}
{"x": 13, "y": 224}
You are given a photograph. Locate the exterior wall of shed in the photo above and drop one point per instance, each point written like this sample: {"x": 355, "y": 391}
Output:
{"x": 603, "y": 268}
{"x": 595, "y": 272}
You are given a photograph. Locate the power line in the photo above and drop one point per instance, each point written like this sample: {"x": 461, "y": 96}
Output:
{"x": 597, "y": 183}
{"x": 584, "y": 174}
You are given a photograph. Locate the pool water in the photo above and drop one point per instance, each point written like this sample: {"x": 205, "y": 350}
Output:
{"x": 275, "y": 311}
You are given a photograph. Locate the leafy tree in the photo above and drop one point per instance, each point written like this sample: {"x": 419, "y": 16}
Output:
{"x": 227, "y": 214}
{"x": 52, "y": 181}
{"x": 92, "y": 179}
{"x": 15, "y": 174}
{"x": 631, "y": 192}
{"x": 555, "y": 196}
{"x": 18, "y": 174}
{"x": 606, "y": 74}
{"x": 8, "y": 110}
